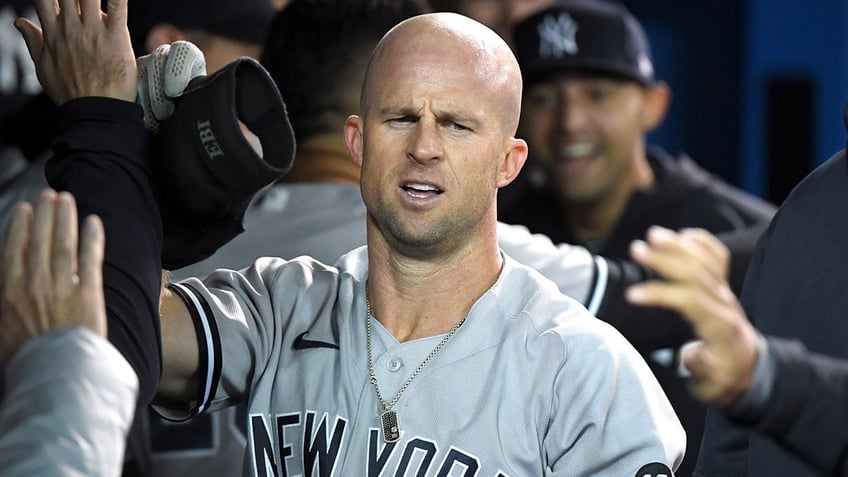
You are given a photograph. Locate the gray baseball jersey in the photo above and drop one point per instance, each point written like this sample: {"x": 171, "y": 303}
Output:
{"x": 322, "y": 220}
{"x": 531, "y": 384}
{"x": 69, "y": 402}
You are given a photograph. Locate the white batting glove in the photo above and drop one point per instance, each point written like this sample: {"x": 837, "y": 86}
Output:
{"x": 163, "y": 75}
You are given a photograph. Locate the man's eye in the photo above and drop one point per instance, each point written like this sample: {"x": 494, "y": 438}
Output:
{"x": 599, "y": 94}
{"x": 403, "y": 119}
{"x": 457, "y": 127}
{"x": 542, "y": 100}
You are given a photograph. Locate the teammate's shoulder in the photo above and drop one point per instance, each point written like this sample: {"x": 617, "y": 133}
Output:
{"x": 524, "y": 292}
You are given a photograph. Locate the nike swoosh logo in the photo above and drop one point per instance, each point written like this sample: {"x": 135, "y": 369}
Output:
{"x": 302, "y": 343}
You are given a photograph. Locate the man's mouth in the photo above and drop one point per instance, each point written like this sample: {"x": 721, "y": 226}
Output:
{"x": 576, "y": 151}
{"x": 421, "y": 191}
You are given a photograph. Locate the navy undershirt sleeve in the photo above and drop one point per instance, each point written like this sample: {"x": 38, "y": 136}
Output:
{"x": 101, "y": 157}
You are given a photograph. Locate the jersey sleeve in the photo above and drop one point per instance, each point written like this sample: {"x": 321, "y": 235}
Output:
{"x": 70, "y": 399}
{"x": 572, "y": 268}
{"x": 619, "y": 416}
{"x": 242, "y": 320}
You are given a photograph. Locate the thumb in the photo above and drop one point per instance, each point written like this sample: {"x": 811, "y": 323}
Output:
{"x": 691, "y": 358}
{"x": 33, "y": 37}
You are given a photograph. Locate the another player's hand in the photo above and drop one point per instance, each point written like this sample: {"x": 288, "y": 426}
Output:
{"x": 80, "y": 51}
{"x": 47, "y": 282}
{"x": 163, "y": 76}
{"x": 695, "y": 267}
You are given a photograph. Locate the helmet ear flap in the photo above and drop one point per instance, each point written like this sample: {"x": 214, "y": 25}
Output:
{"x": 205, "y": 170}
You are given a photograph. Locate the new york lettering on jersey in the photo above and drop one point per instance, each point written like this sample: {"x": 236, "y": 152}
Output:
{"x": 274, "y": 443}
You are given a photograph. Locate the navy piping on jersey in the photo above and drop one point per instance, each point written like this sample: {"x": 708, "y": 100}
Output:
{"x": 599, "y": 288}
{"x": 209, "y": 343}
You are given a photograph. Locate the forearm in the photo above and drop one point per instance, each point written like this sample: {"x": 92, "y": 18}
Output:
{"x": 806, "y": 412}
{"x": 181, "y": 356}
{"x": 100, "y": 156}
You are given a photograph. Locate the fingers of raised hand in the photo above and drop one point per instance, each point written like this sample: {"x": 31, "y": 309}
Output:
{"x": 65, "y": 283}
{"x": 14, "y": 252}
{"x": 697, "y": 305}
{"x": 692, "y": 285}
{"x": 681, "y": 256}
{"x": 92, "y": 245}
{"x": 47, "y": 11}
{"x": 117, "y": 19}
{"x": 75, "y": 12}
{"x": 63, "y": 259}
{"x": 41, "y": 288}
{"x": 80, "y": 51}
{"x": 714, "y": 255}
{"x": 42, "y": 254}
{"x": 89, "y": 11}
{"x": 39, "y": 270}
{"x": 16, "y": 311}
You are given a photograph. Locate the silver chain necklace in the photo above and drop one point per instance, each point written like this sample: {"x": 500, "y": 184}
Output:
{"x": 388, "y": 418}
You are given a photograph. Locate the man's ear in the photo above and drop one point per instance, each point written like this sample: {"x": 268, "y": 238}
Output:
{"x": 162, "y": 34}
{"x": 512, "y": 161}
{"x": 657, "y": 100}
{"x": 353, "y": 138}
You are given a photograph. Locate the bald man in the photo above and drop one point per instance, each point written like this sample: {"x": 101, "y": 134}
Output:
{"x": 429, "y": 351}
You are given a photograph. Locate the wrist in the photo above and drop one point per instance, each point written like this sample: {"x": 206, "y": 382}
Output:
{"x": 749, "y": 406}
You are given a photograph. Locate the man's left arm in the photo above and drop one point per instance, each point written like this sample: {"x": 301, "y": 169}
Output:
{"x": 806, "y": 409}
{"x": 84, "y": 61}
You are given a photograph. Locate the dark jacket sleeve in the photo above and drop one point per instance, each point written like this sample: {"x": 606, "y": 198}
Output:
{"x": 810, "y": 393}
{"x": 100, "y": 156}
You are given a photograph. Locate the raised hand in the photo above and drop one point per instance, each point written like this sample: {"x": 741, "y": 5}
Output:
{"x": 695, "y": 267}
{"x": 47, "y": 282}
{"x": 81, "y": 51}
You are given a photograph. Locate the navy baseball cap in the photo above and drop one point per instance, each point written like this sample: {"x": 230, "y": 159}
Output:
{"x": 591, "y": 36}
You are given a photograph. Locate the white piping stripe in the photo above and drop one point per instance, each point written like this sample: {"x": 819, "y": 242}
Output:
{"x": 600, "y": 285}
{"x": 204, "y": 321}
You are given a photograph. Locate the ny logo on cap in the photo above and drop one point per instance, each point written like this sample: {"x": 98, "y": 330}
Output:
{"x": 557, "y": 36}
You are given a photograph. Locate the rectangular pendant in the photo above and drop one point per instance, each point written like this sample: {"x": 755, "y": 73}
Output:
{"x": 391, "y": 430}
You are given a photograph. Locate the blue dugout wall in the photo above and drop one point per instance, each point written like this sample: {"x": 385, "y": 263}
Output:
{"x": 758, "y": 85}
